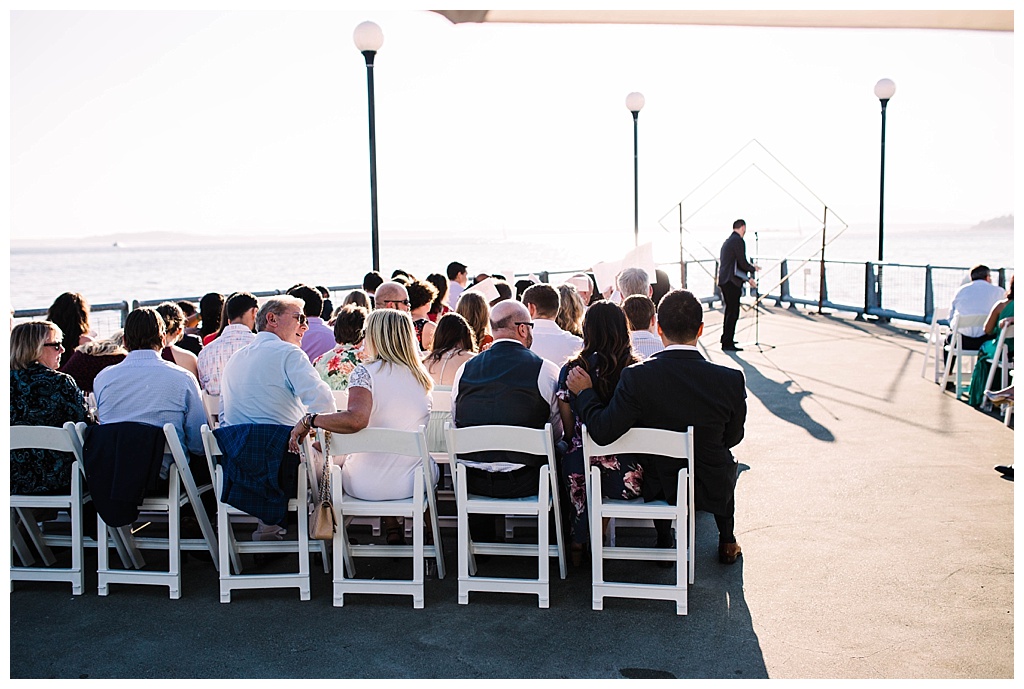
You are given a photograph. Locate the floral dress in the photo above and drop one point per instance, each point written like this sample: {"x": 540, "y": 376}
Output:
{"x": 337, "y": 365}
{"x": 41, "y": 396}
{"x": 620, "y": 480}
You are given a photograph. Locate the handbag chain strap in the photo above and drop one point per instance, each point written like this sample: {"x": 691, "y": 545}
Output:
{"x": 325, "y": 473}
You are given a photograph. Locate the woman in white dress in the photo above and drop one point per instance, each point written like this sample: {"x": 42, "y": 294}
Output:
{"x": 391, "y": 390}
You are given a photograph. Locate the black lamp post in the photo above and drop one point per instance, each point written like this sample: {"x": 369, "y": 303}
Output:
{"x": 884, "y": 89}
{"x": 634, "y": 103}
{"x": 368, "y": 39}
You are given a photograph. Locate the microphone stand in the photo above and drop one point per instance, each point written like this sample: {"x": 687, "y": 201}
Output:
{"x": 761, "y": 346}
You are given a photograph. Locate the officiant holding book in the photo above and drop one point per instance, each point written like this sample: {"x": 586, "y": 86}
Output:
{"x": 733, "y": 270}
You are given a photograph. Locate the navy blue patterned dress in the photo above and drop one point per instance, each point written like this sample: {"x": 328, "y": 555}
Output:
{"x": 41, "y": 396}
{"x": 621, "y": 480}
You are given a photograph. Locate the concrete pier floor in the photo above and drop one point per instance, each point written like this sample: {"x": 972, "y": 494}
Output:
{"x": 877, "y": 540}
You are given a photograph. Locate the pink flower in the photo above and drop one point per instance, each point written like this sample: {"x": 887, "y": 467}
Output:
{"x": 347, "y": 367}
{"x": 333, "y": 364}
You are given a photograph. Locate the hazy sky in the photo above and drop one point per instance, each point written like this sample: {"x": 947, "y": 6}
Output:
{"x": 255, "y": 122}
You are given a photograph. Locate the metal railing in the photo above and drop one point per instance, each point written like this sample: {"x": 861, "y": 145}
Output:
{"x": 909, "y": 292}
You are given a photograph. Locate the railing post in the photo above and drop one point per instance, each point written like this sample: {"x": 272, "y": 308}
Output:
{"x": 544, "y": 276}
{"x": 784, "y": 287}
{"x": 124, "y": 312}
{"x": 870, "y": 296}
{"x": 929, "y": 295}
{"x": 1002, "y": 278}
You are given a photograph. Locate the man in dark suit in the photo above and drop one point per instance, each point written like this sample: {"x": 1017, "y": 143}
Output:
{"x": 733, "y": 270}
{"x": 672, "y": 390}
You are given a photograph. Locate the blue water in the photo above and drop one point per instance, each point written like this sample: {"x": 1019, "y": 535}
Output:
{"x": 166, "y": 269}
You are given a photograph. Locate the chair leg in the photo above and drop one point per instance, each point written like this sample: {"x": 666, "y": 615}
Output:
{"x": 28, "y": 520}
{"x": 19, "y": 543}
{"x": 544, "y": 552}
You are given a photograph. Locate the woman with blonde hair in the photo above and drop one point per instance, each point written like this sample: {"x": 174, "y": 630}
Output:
{"x": 474, "y": 308}
{"x": 570, "y": 309}
{"x": 391, "y": 390}
{"x": 41, "y": 396}
{"x": 92, "y": 357}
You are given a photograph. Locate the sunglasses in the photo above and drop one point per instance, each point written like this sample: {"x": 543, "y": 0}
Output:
{"x": 301, "y": 318}
{"x": 396, "y": 301}
{"x": 55, "y": 345}
{"x": 530, "y": 324}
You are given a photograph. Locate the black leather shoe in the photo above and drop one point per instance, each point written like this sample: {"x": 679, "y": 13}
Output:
{"x": 728, "y": 553}
{"x": 665, "y": 542}
{"x": 731, "y": 348}
{"x": 1006, "y": 471}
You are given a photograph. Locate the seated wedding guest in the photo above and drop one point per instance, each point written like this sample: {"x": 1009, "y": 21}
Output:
{"x": 174, "y": 328}
{"x": 147, "y": 388}
{"x": 92, "y": 357}
{"x": 211, "y": 307}
{"x": 236, "y": 332}
{"x": 586, "y": 285}
{"x": 391, "y": 391}
{"x": 975, "y": 298}
{"x": 999, "y": 318}
{"x": 661, "y": 286}
{"x": 392, "y": 295}
{"x": 440, "y": 306}
{"x": 70, "y": 313}
{"x": 328, "y": 307}
{"x": 632, "y": 281}
{"x": 454, "y": 345}
{"x": 357, "y": 297}
{"x": 549, "y": 341}
{"x": 458, "y": 279}
{"x": 474, "y": 308}
{"x": 421, "y": 298}
{"x": 190, "y": 341}
{"x": 336, "y": 365}
{"x": 570, "y": 310}
{"x": 674, "y": 389}
{"x": 606, "y": 351}
{"x": 371, "y": 281}
{"x": 643, "y": 328}
{"x": 399, "y": 273}
{"x": 509, "y": 385}
{"x": 41, "y": 396}
{"x": 523, "y": 285}
{"x": 504, "y": 292}
{"x": 318, "y": 338}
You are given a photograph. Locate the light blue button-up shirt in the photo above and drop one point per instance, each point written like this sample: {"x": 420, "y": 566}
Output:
{"x": 147, "y": 389}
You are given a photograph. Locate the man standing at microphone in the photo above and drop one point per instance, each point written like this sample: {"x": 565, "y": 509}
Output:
{"x": 733, "y": 271}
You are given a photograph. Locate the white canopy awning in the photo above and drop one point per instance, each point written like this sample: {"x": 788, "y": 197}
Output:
{"x": 973, "y": 20}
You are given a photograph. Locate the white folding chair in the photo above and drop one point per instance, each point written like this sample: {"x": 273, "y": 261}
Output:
{"x": 340, "y": 399}
{"x": 211, "y": 403}
{"x": 1001, "y": 359}
{"x": 934, "y": 343}
{"x": 646, "y": 441}
{"x": 441, "y": 401}
{"x": 231, "y": 549}
{"x": 409, "y": 444}
{"x": 955, "y": 349}
{"x": 513, "y": 439}
{"x": 179, "y": 477}
{"x": 22, "y": 516}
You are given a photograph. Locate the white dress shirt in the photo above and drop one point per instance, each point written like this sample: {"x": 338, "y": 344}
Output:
{"x": 454, "y": 291}
{"x": 271, "y": 381}
{"x": 547, "y": 384}
{"x": 552, "y": 343}
{"x": 976, "y": 298}
{"x": 214, "y": 356}
{"x": 645, "y": 343}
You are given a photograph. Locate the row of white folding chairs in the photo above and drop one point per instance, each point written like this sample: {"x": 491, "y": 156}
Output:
{"x": 70, "y": 439}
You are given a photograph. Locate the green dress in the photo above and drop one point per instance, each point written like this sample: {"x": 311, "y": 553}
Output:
{"x": 976, "y": 394}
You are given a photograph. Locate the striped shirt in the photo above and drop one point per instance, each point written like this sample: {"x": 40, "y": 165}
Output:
{"x": 645, "y": 343}
{"x": 215, "y": 355}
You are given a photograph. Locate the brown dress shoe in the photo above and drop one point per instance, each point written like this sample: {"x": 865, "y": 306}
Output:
{"x": 728, "y": 552}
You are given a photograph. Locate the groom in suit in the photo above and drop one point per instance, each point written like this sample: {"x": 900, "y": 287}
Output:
{"x": 733, "y": 270}
{"x": 672, "y": 390}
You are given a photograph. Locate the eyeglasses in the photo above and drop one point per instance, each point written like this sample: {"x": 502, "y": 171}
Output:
{"x": 531, "y": 324}
{"x": 396, "y": 301}
{"x": 56, "y": 345}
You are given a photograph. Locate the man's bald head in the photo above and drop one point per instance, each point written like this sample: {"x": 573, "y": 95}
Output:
{"x": 510, "y": 319}
{"x": 392, "y": 295}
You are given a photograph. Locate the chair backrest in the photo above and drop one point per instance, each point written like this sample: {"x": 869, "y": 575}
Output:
{"x": 940, "y": 314}
{"x": 643, "y": 441}
{"x": 340, "y": 399}
{"x": 387, "y": 440}
{"x": 961, "y": 321}
{"x": 46, "y": 438}
{"x": 212, "y": 448}
{"x": 441, "y": 400}
{"x": 211, "y": 403}
{"x": 533, "y": 441}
